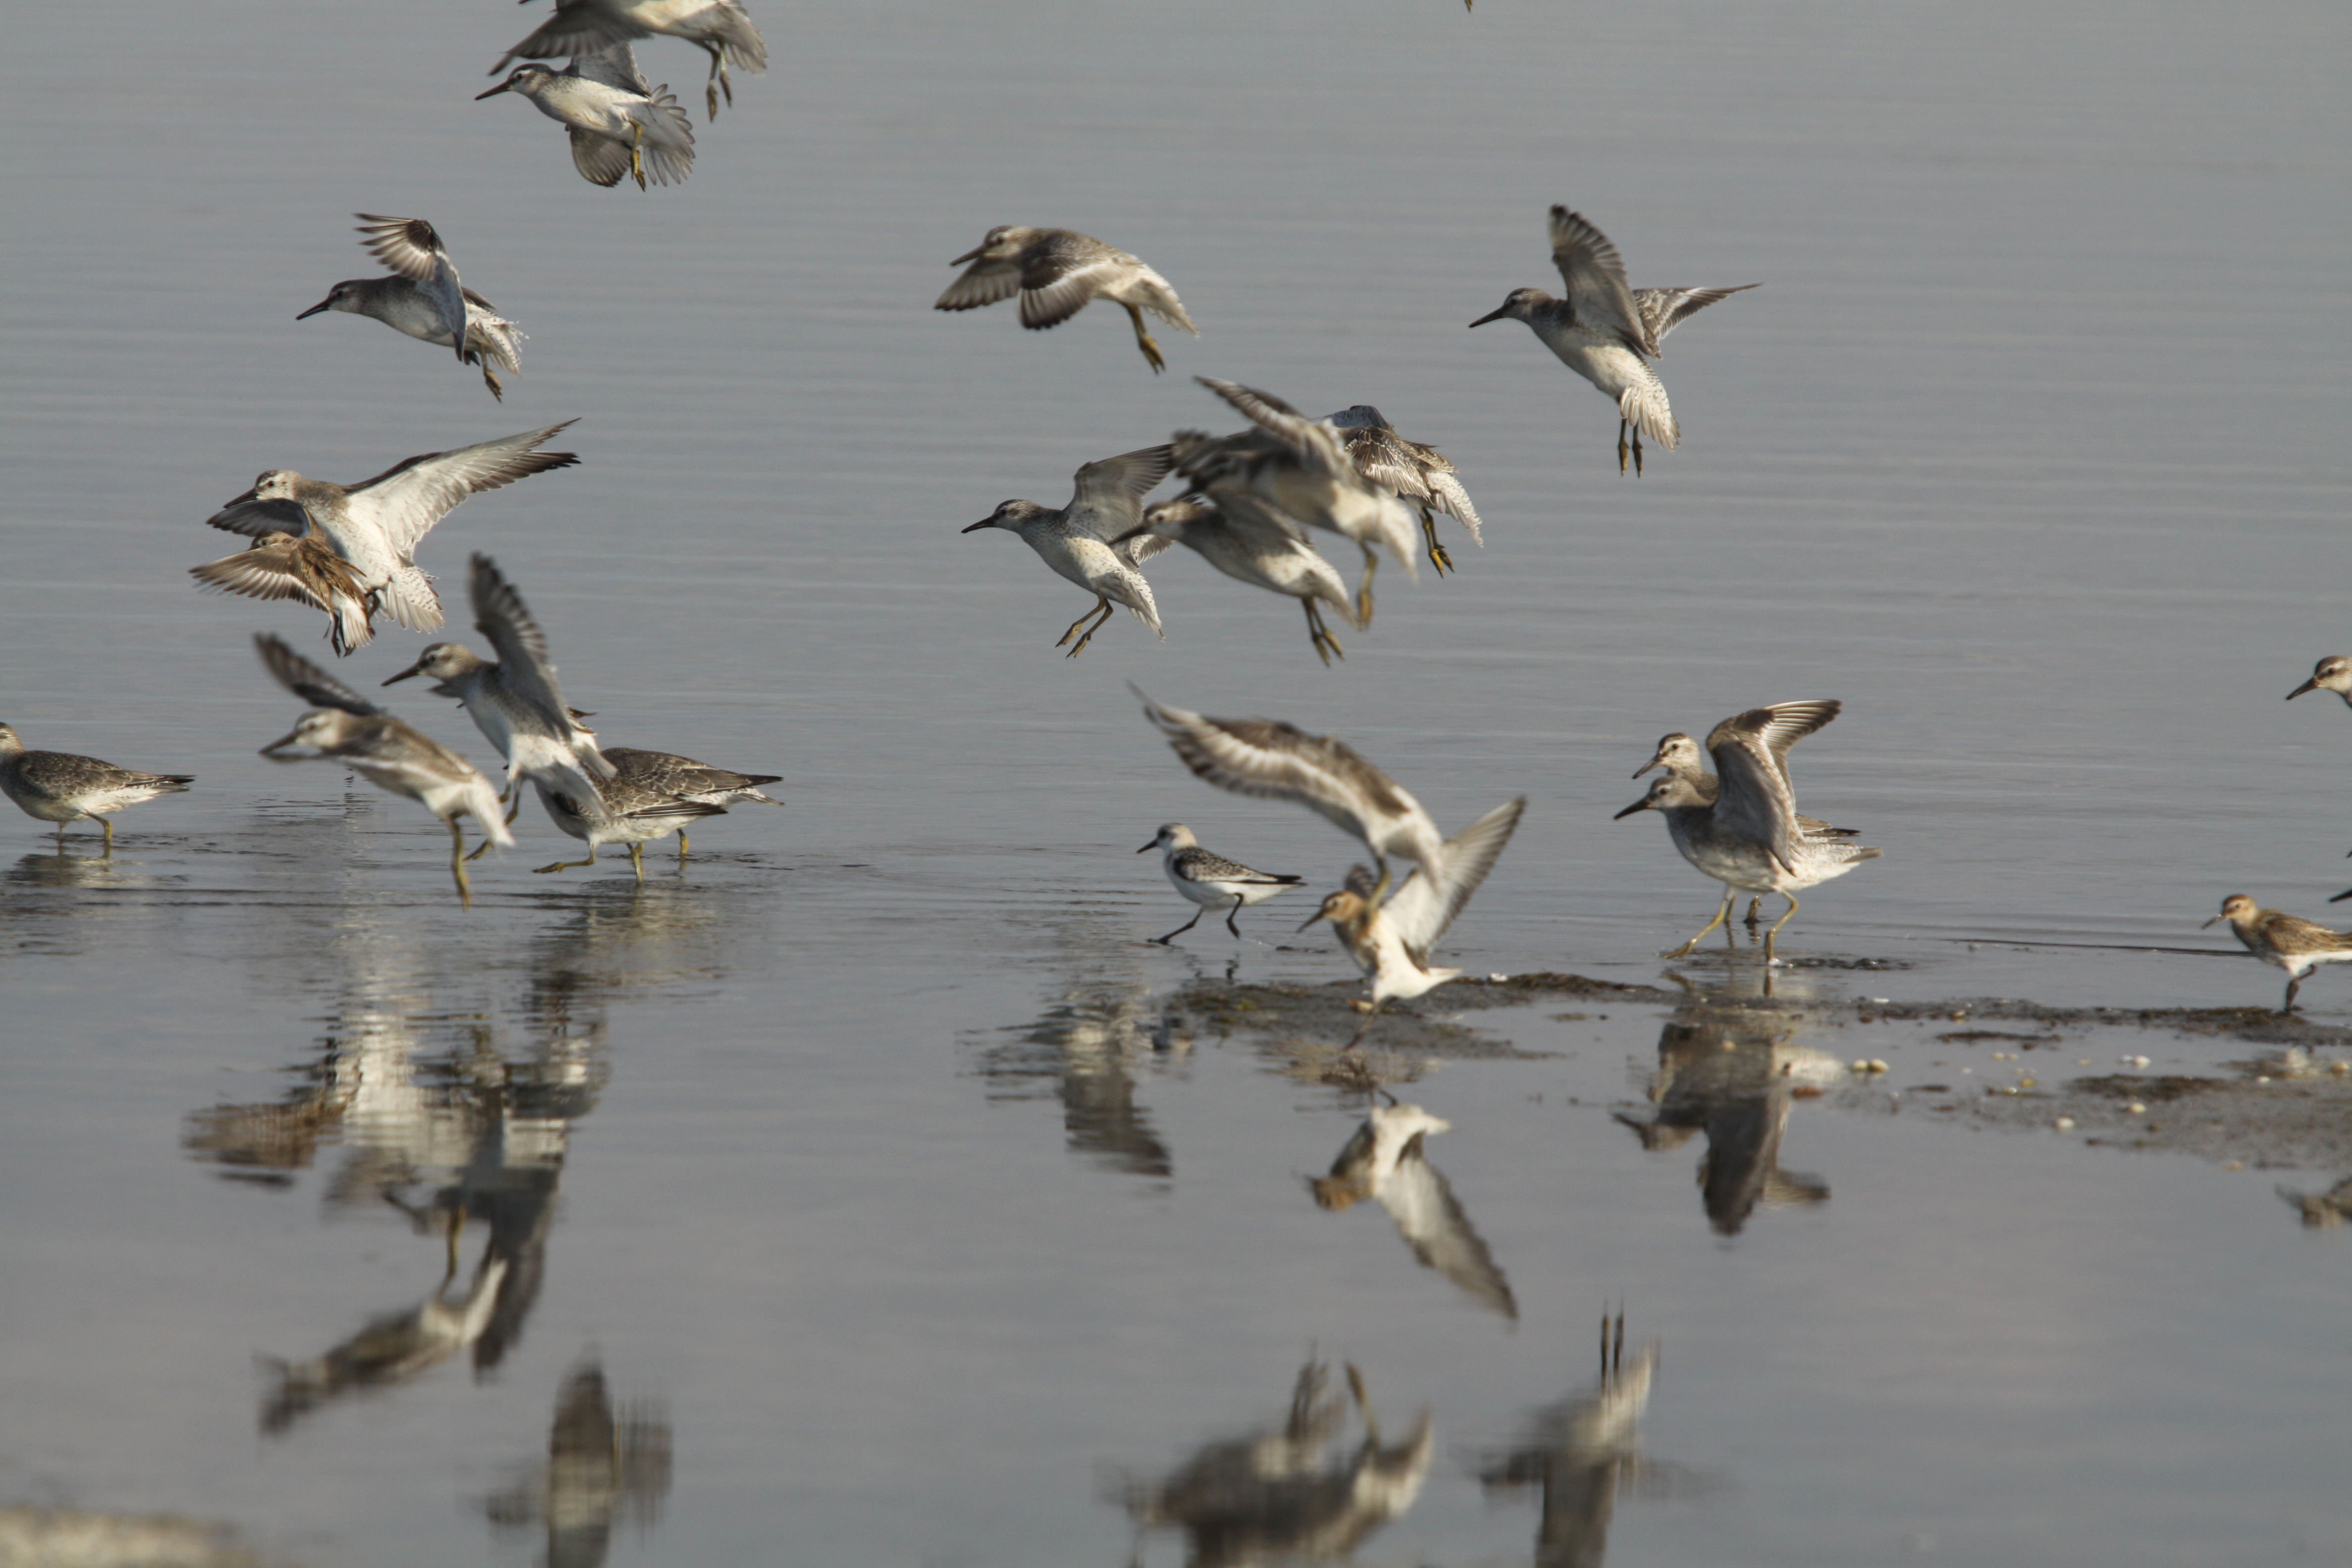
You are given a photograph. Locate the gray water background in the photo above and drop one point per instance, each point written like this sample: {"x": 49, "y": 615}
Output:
{"x": 2029, "y": 450}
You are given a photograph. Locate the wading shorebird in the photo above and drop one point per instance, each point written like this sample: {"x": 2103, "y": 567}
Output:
{"x": 350, "y": 550}
{"x": 1270, "y": 759}
{"x": 719, "y": 28}
{"x": 1250, "y": 543}
{"x": 2288, "y": 942}
{"x": 516, "y": 702}
{"x": 619, "y": 124}
{"x": 1209, "y": 880}
{"x": 1076, "y": 541}
{"x": 60, "y": 787}
{"x": 627, "y": 809}
{"x": 1607, "y": 332}
{"x": 424, "y": 299}
{"x": 1420, "y": 476}
{"x": 1679, "y": 753}
{"x": 344, "y": 727}
{"x": 1747, "y": 837}
{"x": 1391, "y": 942}
{"x": 1301, "y": 467}
{"x": 1056, "y": 271}
{"x": 691, "y": 780}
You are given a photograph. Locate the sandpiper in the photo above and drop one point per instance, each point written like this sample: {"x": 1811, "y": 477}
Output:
{"x": 1209, "y": 880}
{"x": 1605, "y": 331}
{"x": 516, "y": 702}
{"x": 60, "y": 787}
{"x": 627, "y": 809}
{"x": 1421, "y": 476}
{"x": 719, "y": 28}
{"x": 1076, "y": 539}
{"x": 689, "y": 780}
{"x": 1250, "y": 543}
{"x": 350, "y": 550}
{"x": 618, "y": 124}
{"x": 347, "y": 727}
{"x": 1391, "y": 942}
{"x": 424, "y": 299}
{"x": 2332, "y": 673}
{"x": 1056, "y": 271}
{"x": 1273, "y": 761}
{"x": 1299, "y": 466}
{"x": 1747, "y": 837}
{"x": 1679, "y": 753}
{"x": 2290, "y": 941}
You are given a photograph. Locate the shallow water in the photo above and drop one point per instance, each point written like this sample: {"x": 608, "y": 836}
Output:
{"x": 858, "y": 1153}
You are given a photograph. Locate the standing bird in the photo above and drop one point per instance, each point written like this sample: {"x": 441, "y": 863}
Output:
{"x": 2289, "y": 942}
{"x": 1421, "y": 476}
{"x": 1299, "y": 466}
{"x": 1056, "y": 271}
{"x": 1209, "y": 880}
{"x": 1391, "y": 942}
{"x": 719, "y": 28}
{"x": 1076, "y": 539}
{"x": 691, "y": 780}
{"x": 1250, "y": 543}
{"x": 618, "y": 123}
{"x": 1679, "y": 753}
{"x": 2332, "y": 673}
{"x": 1270, "y": 759}
{"x": 347, "y": 727}
{"x": 350, "y": 550}
{"x": 1747, "y": 837}
{"x": 424, "y": 299}
{"x": 630, "y": 808}
{"x": 1607, "y": 332}
{"x": 516, "y": 702}
{"x": 60, "y": 787}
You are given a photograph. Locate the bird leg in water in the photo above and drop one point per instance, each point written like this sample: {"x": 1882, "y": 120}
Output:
{"x": 681, "y": 847}
{"x": 1364, "y": 588}
{"x": 1326, "y": 647}
{"x": 2294, "y": 984}
{"x": 1774, "y": 930}
{"x": 1188, "y": 925}
{"x": 637, "y": 860}
{"x": 637, "y": 161}
{"x": 1437, "y": 556}
{"x": 1099, "y": 615}
{"x": 1730, "y": 896}
{"x": 567, "y": 864}
{"x": 1143, "y": 341}
{"x": 457, "y": 861}
{"x": 106, "y": 824}
{"x": 1238, "y": 902}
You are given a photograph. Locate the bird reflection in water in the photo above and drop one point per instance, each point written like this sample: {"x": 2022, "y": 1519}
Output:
{"x": 1288, "y": 1493}
{"x": 604, "y": 1469}
{"x": 1581, "y": 1453}
{"x": 1732, "y": 1072}
{"x": 1386, "y": 1161}
{"x": 1086, "y": 1048}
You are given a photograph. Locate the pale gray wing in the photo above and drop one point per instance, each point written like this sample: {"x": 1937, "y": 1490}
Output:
{"x": 407, "y": 499}
{"x": 615, "y": 65}
{"x": 1754, "y": 800}
{"x": 577, "y": 29}
{"x": 409, "y": 246}
{"x": 1061, "y": 272}
{"x": 524, "y": 667}
{"x": 984, "y": 282}
{"x": 308, "y": 681}
{"x": 1664, "y": 310}
{"x": 1421, "y": 911}
{"x": 600, "y": 159}
{"x": 1312, "y": 439}
{"x": 1110, "y": 490}
{"x": 1447, "y": 494}
{"x": 1779, "y": 726}
{"x": 260, "y": 519}
{"x": 1595, "y": 277}
{"x": 729, "y": 26}
{"x": 1431, "y": 1219}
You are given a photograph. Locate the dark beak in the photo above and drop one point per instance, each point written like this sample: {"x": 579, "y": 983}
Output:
{"x": 1148, "y": 848}
{"x": 2209, "y": 922}
{"x": 1494, "y": 315}
{"x": 1309, "y": 921}
{"x": 1646, "y": 767}
{"x": 280, "y": 744}
{"x": 2311, "y": 685}
{"x": 976, "y": 527}
{"x": 502, "y": 87}
{"x": 314, "y": 309}
{"x": 1641, "y": 805}
{"x": 972, "y": 254}
{"x": 416, "y": 668}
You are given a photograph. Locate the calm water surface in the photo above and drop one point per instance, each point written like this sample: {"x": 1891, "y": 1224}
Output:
{"x": 860, "y": 1156}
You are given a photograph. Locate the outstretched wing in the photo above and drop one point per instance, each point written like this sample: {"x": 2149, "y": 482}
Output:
{"x": 1664, "y": 310}
{"x": 260, "y": 519}
{"x": 308, "y": 681}
{"x": 410, "y": 497}
{"x": 1061, "y": 272}
{"x": 1421, "y": 910}
{"x": 1754, "y": 799}
{"x": 524, "y": 667}
{"x": 408, "y": 244}
{"x": 1314, "y": 440}
{"x": 615, "y": 65}
{"x": 1110, "y": 492}
{"x": 1431, "y": 1219}
{"x": 1595, "y": 277}
{"x": 984, "y": 282}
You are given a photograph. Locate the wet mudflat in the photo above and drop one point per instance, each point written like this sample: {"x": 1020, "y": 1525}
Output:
{"x": 870, "y": 1189}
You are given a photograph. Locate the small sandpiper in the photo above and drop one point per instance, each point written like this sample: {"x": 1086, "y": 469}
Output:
{"x": 2332, "y": 673}
{"x": 1209, "y": 880}
{"x": 2290, "y": 941}
{"x": 618, "y": 124}
{"x": 1250, "y": 543}
{"x": 346, "y": 727}
{"x": 1390, "y": 941}
{"x": 1420, "y": 476}
{"x": 423, "y": 298}
{"x": 351, "y": 550}
{"x": 1076, "y": 539}
{"x": 60, "y": 787}
{"x": 1607, "y": 332}
{"x": 719, "y": 28}
{"x": 1056, "y": 271}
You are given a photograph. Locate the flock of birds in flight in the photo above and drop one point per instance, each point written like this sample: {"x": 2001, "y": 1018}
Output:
{"x": 1252, "y": 502}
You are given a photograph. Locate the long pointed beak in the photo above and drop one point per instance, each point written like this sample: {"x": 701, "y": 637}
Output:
{"x": 1148, "y": 848}
{"x": 416, "y": 668}
{"x": 972, "y": 254}
{"x": 1309, "y": 921}
{"x": 277, "y": 746}
{"x": 2311, "y": 685}
{"x": 502, "y": 87}
{"x": 1641, "y": 805}
{"x": 976, "y": 527}
{"x": 327, "y": 303}
{"x": 1646, "y": 767}
{"x": 1494, "y": 315}
{"x": 2211, "y": 921}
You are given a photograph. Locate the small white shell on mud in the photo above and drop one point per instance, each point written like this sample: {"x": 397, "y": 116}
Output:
{"x": 2064, "y": 1125}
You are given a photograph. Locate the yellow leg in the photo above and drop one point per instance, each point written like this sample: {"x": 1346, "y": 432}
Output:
{"x": 681, "y": 847}
{"x": 1326, "y": 647}
{"x": 637, "y": 152}
{"x": 1437, "y": 556}
{"x": 514, "y": 802}
{"x": 1776, "y": 926}
{"x": 61, "y": 837}
{"x": 1621, "y": 446}
{"x": 637, "y": 860}
{"x": 1143, "y": 341}
{"x": 1637, "y": 453}
{"x": 1730, "y": 895}
{"x": 567, "y": 864}
{"x": 490, "y": 380}
{"x": 457, "y": 861}
{"x": 107, "y": 823}
{"x": 1100, "y": 614}
{"x": 1364, "y": 588}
